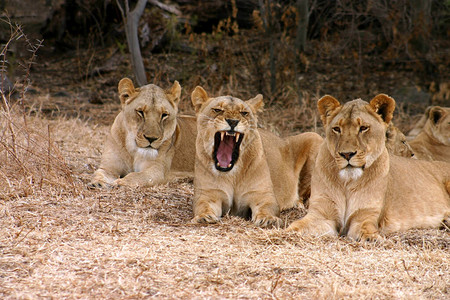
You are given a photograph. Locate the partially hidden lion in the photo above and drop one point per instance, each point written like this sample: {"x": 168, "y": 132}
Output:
{"x": 359, "y": 190}
{"x": 243, "y": 170}
{"x": 148, "y": 143}
{"x": 396, "y": 142}
{"x": 419, "y": 125}
{"x": 433, "y": 141}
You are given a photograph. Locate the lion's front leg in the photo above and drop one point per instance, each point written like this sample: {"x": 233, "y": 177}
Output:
{"x": 207, "y": 206}
{"x": 314, "y": 225}
{"x": 321, "y": 219}
{"x": 101, "y": 178}
{"x": 113, "y": 165}
{"x": 146, "y": 178}
{"x": 265, "y": 209}
{"x": 363, "y": 225}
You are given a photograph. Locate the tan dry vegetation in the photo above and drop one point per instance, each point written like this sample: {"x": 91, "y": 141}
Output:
{"x": 59, "y": 239}
{"x": 65, "y": 241}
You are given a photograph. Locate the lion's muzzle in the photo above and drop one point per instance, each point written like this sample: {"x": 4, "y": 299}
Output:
{"x": 347, "y": 155}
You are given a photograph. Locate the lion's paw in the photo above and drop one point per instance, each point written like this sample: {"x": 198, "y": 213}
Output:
{"x": 99, "y": 184}
{"x": 205, "y": 219}
{"x": 367, "y": 233}
{"x": 313, "y": 227}
{"x": 268, "y": 221}
{"x": 370, "y": 237}
{"x": 299, "y": 226}
{"x": 128, "y": 182}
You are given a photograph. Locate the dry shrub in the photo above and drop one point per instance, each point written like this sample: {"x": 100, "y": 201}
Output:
{"x": 30, "y": 159}
{"x": 296, "y": 114}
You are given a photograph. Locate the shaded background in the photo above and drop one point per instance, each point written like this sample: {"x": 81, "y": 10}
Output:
{"x": 293, "y": 52}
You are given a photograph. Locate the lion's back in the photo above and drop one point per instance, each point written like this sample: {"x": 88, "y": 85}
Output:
{"x": 184, "y": 157}
{"x": 417, "y": 195}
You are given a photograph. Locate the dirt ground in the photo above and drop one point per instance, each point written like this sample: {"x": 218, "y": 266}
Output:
{"x": 59, "y": 239}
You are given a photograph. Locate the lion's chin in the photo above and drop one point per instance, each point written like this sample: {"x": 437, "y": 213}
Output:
{"x": 147, "y": 152}
{"x": 226, "y": 149}
{"x": 350, "y": 173}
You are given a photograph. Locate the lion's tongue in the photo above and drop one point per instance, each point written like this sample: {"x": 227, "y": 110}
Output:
{"x": 225, "y": 151}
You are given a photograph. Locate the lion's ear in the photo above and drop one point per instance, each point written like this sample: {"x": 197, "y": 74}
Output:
{"x": 326, "y": 105}
{"x": 174, "y": 93}
{"x": 126, "y": 89}
{"x": 198, "y": 97}
{"x": 435, "y": 114}
{"x": 257, "y": 103}
{"x": 383, "y": 105}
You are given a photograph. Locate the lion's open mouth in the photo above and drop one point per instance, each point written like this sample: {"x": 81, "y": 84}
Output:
{"x": 226, "y": 149}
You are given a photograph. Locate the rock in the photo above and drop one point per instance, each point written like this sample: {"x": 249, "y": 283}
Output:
{"x": 33, "y": 15}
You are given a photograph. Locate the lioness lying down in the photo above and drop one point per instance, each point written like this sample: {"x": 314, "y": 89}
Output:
{"x": 396, "y": 142}
{"x": 433, "y": 141}
{"x": 242, "y": 170}
{"x": 357, "y": 189}
{"x": 148, "y": 142}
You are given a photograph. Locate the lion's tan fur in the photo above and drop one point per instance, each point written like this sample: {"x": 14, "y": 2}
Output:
{"x": 148, "y": 142}
{"x": 291, "y": 161}
{"x": 419, "y": 125}
{"x": 358, "y": 189}
{"x": 396, "y": 142}
{"x": 433, "y": 142}
{"x": 264, "y": 179}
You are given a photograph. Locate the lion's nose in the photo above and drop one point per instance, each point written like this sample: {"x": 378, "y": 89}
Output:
{"x": 150, "y": 139}
{"x": 232, "y": 123}
{"x": 347, "y": 155}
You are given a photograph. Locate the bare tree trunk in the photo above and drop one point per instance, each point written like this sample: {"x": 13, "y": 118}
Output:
{"x": 421, "y": 18}
{"x": 266, "y": 17}
{"x": 302, "y": 26}
{"x": 131, "y": 20}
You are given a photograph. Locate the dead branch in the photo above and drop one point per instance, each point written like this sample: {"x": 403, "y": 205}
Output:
{"x": 170, "y": 8}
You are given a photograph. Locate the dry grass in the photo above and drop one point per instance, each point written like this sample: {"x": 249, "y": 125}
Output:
{"x": 59, "y": 239}
{"x": 65, "y": 241}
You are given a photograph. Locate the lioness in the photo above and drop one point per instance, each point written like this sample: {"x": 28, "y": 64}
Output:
{"x": 242, "y": 170}
{"x": 433, "y": 142}
{"x": 396, "y": 142}
{"x": 148, "y": 142}
{"x": 419, "y": 125}
{"x": 357, "y": 189}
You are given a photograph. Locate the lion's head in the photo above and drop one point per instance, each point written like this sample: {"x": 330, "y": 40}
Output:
{"x": 150, "y": 114}
{"x": 396, "y": 142}
{"x": 356, "y": 131}
{"x": 438, "y": 124}
{"x": 226, "y": 125}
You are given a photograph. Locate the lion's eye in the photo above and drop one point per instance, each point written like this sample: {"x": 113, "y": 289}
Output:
{"x": 217, "y": 110}
{"x": 164, "y": 115}
{"x": 363, "y": 128}
{"x": 336, "y": 129}
{"x": 140, "y": 112}
{"x": 244, "y": 113}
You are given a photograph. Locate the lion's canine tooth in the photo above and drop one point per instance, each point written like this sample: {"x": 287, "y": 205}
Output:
{"x": 237, "y": 136}
{"x": 229, "y": 166}
{"x": 222, "y": 133}
{"x": 218, "y": 164}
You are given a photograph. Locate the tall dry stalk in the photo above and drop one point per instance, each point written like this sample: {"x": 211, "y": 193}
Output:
{"x": 29, "y": 158}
